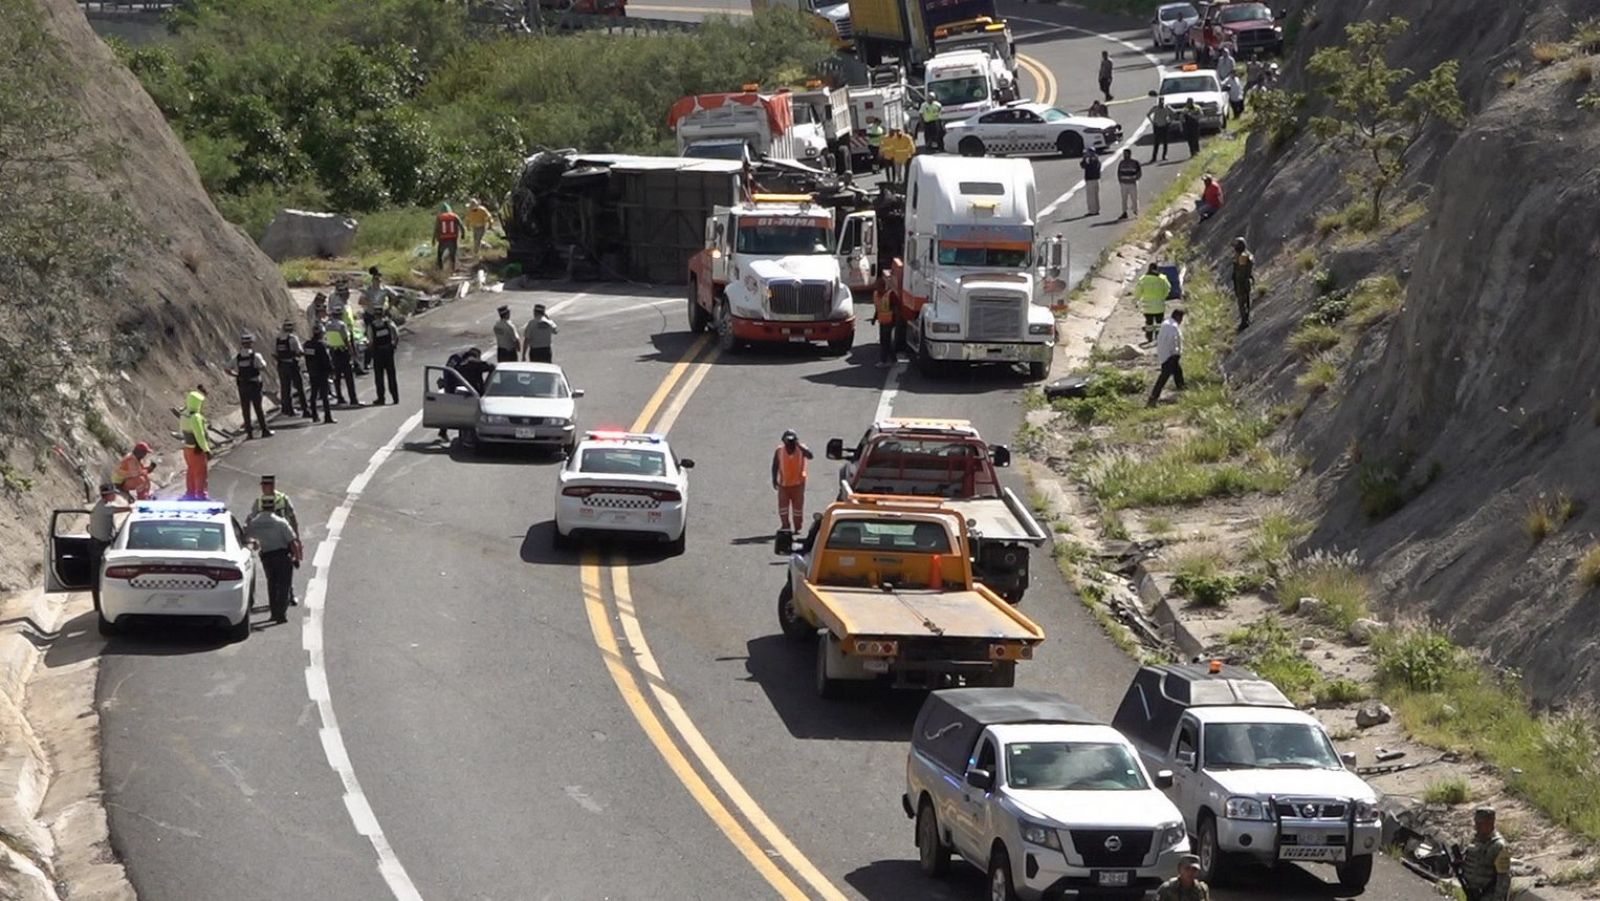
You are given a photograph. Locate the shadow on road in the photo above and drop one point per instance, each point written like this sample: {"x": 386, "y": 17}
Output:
{"x": 79, "y": 639}
{"x": 892, "y": 880}
{"x": 538, "y": 547}
{"x": 784, "y": 668}
{"x": 670, "y": 347}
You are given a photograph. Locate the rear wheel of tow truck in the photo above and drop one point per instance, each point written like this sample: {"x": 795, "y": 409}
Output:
{"x": 828, "y": 687}
{"x": 933, "y": 855}
{"x": 1038, "y": 371}
{"x": 970, "y": 146}
{"x": 1354, "y": 875}
{"x": 794, "y": 626}
{"x": 726, "y": 341}
{"x": 699, "y": 319}
{"x": 1069, "y": 143}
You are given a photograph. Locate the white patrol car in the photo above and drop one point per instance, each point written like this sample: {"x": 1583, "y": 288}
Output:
{"x": 1179, "y": 86}
{"x": 623, "y": 482}
{"x": 170, "y": 558}
{"x": 1031, "y": 128}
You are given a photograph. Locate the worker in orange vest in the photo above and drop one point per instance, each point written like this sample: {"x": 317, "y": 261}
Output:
{"x": 446, "y": 236}
{"x": 883, "y": 305}
{"x": 132, "y": 476}
{"x": 789, "y": 480}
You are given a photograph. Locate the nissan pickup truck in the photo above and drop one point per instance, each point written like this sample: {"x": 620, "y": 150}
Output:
{"x": 1048, "y": 800}
{"x": 1255, "y": 778}
{"x": 946, "y": 458}
{"x": 884, "y": 586}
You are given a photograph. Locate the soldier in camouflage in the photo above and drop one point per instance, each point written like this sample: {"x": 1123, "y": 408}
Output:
{"x": 1186, "y": 886}
{"x": 1486, "y": 863}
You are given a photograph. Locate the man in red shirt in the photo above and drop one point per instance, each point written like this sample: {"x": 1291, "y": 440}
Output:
{"x": 446, "y": 235}
{"x": 1210, "y": 198}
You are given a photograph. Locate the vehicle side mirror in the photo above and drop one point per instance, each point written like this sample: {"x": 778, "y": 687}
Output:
{"x": 577, "y": 392}
{"x": 686, "y": 464}
{"x": 1000, "y": 455}
{"x": 1154, "y": 94}
{"x": 982, "y": 780}
{"x": 1185, "y": 759}
{"x": 1348, "y": 758}
{"x": 835, "y": 449}
{"x": 1163, "y": 779}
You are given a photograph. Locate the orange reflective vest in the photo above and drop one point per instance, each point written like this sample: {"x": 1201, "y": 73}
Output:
{"x": 791, "y": 467}
{"x": 449, "y": 226}
{"x": 130, "y": 467}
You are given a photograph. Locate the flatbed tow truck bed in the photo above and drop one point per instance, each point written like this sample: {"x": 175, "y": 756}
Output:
{"x": 910, "y": 613}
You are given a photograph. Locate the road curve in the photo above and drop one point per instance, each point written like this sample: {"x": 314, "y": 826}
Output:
{"x": 472, "y": 714}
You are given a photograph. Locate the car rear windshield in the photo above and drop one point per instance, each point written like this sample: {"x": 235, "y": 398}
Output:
{"x": 887, "y": 535}
{"x": 1072, "y": 766}
{"x": 1189, "y": 84}
{"x": 1244, "y": 12}
{"x": 504, "y": 383}
{"x": 1269, "y": 746}
{"x": 172, "y": 535}
{"x": 622, "y": 461}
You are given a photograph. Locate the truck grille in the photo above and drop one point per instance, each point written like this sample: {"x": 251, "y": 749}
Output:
{"x": 996, "y": 319}
{"x": 813, "y": 300}
{"x": 1256, "y": 37}
{"x": 1311, "y": 809}
{"x": 1112, "y": 847}
{"x": 844, "y": 28}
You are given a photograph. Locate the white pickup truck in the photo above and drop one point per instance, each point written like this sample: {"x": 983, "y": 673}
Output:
{"x": 1048, "y": 800}
{"x": 1255, "y": 777}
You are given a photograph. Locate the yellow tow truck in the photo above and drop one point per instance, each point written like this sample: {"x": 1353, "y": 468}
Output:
{"x": 884, "y": 585}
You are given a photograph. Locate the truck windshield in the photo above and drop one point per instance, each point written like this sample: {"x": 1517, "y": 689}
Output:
{"x": 1244, "y": 12}
{"x": 789, "y": 239}
{"x": 1072, "y": 766}
{"x": 889, "y": 535}
{"x": 954, "y": 91}
{"x": 1268, "y": 746}
{"x": 988, "y": 257}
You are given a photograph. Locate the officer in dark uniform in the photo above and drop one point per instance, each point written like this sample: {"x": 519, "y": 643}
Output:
{"x": 385, "y": 338}
{"x": 287, "y": 352}
{"x": 1486, "y": 863}
{"x": 248, "y": 370}
{"x": 319, "y": 367}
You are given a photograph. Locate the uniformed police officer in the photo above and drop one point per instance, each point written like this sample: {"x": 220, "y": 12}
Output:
{"x": 1486, "y": 863}
{"x": 286, "y": 352}
{"x": 1186, "y": 886}
{"x": 248, "y": 370}
{"x": 319, "y": 369}
{"x": 276, "y": 501}
{"x": 340, "y": 345}
{"x": 385, "y": 338}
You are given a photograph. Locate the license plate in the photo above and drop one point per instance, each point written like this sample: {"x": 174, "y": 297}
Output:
{"x": 797, "y": 339}
{"x": 527, "y": 433}
{"x": 1112, "y": 877}
{"x": 619, "y": 517}
{"x": 170, "y": 600}
{"x": 1299, "y": 852}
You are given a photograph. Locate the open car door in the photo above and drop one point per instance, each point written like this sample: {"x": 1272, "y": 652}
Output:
{"x": 448, "y": 402}
{"x": 67, "y": 561}
{"x": 858, "y": 250}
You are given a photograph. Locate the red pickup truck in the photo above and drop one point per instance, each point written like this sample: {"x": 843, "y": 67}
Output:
{"x": 1248, "y": 27}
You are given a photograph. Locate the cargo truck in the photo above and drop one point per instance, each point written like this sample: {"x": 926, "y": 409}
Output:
{"x": 765, "y": 122}
{"x": 884, "y": 586}
{"x": 904, "y": 29}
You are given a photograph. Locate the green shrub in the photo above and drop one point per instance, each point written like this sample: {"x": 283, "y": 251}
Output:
{"x": 1329, "y": 309}
{"x": 1276, "y": 537}
{"x": 1319, "y": 376}
{"x": 1452, "y": 790}
{"x": 1375, "y": 298}
{"x": 1325, "y": 280}
{"x": 1267, "y": 648}
{"x": 1588, "y": 573}
{"x": 1334, "y": 580}
{"x": 1382, "y": 491}
{"x": 1312, "y": 338}
{"x": 1110, "y": 395}
{"x": 1340, "y": 691}
{"x": 1211, "y": 590}
{"x": 1418, "y": 660}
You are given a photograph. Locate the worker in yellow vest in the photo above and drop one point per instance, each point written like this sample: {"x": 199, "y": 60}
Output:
{"x": 883, "y": 314}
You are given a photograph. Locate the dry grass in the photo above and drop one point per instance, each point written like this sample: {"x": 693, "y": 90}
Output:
{"x": 1452, "y": 790}
{"x": 1588, "y": 574}
{"x": 1547, "y": 52}
{"x": 1581, "y": 72}
{"x": 1510, "y": 77}
{"x": 1335, "y": 581}
{"x": 1546, "y": 515}
{"x": 1306, "y": 260}
{"x": 1586, "y": 34}
{"x": 1312, "y": 339}
{"x": 1374, "y": 299}
{"x": 1319, "y": 376}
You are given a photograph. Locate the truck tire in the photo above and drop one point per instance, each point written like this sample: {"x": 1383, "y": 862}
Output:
{"x": 795, "y": 628}
{"x": 726, "y": 341}
{"x": 1069, "y": 143}
{"x": 933, "y": 855}
{"x": 926, "y": 364}
{"x": 699, "y": 319}
{"x": 1354, "y": 875}
{"x": 841, "y": 345}
{"x": 1001, "y": 888}
{"x": 1213, "y": 865}
{"x": 828, "y": 688}
{"x": 970, "y": 146}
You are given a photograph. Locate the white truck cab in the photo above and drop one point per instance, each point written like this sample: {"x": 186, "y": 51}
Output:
{"x": 964, "y": 81}
{"x": 1049, "y": 801}
{"x": 989, "y": 37}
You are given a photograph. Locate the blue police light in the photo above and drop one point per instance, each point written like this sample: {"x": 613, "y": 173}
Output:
{"x": 190, "y": 507}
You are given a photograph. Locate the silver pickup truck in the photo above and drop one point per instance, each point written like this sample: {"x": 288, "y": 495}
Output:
{"x": 1049, "y": 801}
{"x": 1255, "y": 777}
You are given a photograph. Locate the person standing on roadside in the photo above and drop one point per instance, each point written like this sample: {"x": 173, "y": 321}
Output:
{"x": 196, "y": 447}
{"x": 275, "y": 543}
{"x": 286, "y": 353}
{"x": 319, "y": 370}
{"x": 478, "y": 219}
{"x": 385, "y": 341}
{"x": 1191, "y": 126}
{"x": 248, "y": 370}
{"x": 1225, "y": 64}
{"x": 1091, "y": 180}
{"x": 539, "y": 337}
{"x": 507, "y": 341}
{"x": 446, "y": 237}
{"x": 1160, "y": 116}
{"x": 1235, "y": 89}
{"x": 789, "y": 480}
{"x": 1128, "y": 174}
{"x": 132, "y": 476}
{"x": 898, "y": 149}
{"x": 932, "y": 112}
{"x": 883, "y": 315}
{"x": 1180, "y": 38}
{"x": 875, "y": 135}
{"x": 1151, "y": 291}
{"x": 103, "y": 527}
{"x": 1169, "y": 351}
{"x": 340, "y": 342}
{"x": 1105, "y": 74}
{"x": 1243, "y": 278}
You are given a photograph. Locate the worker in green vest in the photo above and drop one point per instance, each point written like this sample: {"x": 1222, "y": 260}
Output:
{"x": 1152, "y": 290}
{"x": 875, "y": 135}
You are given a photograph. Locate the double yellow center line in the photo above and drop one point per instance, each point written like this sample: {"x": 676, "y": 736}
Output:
{"x": 1043, "y": 79}
{"x": 630, "y": 662}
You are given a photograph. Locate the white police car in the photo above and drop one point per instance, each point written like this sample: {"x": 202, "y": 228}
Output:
{"x": 169, "y": 559}
{"x": 1027, "y": 128}
{"x": 623, "y": 483}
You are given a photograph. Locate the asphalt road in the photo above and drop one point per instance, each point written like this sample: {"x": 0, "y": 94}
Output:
{"x": 486, "y": 718}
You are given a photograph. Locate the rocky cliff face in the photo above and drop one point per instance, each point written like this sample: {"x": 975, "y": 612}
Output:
{"x": 1482, "y": 390}
{"x": 192, "y": 285}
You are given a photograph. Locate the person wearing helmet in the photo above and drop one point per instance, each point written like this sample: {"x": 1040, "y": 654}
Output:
{"x": 132, "y": 475}
{"x": 286, "y": 352}
{"x": 446, "y": 236}
{"x": 248, "y": 370}
{"x": 789, "y": 480}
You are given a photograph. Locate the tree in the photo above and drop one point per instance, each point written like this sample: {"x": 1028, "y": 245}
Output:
{"x": 1376, "y": 116}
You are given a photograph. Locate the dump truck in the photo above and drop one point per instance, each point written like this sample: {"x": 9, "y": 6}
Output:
{"x": 765, "y": 122}
{"x": 884, "y": 586}
{"x": 904, "y": 29}
{"x": 946, "y": 458}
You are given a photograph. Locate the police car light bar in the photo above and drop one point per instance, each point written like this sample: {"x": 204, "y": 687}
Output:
{"x": 647, "y": 437}
{"x": 180, "y": 507}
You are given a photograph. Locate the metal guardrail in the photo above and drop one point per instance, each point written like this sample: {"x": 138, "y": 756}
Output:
{"x": 567, "y": 22}
{"x": 120, "y": 6}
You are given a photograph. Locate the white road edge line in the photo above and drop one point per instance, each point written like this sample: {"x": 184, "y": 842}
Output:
{"x": 333, "y": 747}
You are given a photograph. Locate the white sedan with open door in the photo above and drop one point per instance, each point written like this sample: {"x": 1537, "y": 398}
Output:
{"x": 522, "y": 403}
{"x": 170, "y": 559}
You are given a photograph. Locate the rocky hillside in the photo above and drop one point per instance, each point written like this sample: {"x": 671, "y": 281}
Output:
{"x": 1457, "y": 447}
{"x": 191, "y": 283}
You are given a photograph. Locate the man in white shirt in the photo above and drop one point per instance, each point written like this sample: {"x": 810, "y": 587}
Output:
{"x": 1169, "y": 352}
{"x": 103, "y": 526}
{"x": 507, "y": 341}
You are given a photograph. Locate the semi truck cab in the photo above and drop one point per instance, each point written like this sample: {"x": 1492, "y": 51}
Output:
{"x": 989, "y": 37}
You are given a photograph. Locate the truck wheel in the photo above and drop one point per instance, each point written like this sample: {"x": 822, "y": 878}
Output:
{"x": 970, "y": 146}
{"x": 1354, "y": 875}
{"x": 794, "y": 625}
{"x": 932, "y": 853}
{"x": 1210, "y": 854}
{"x": 926, "y": 364}
{"x": 828, "y": 688}
{"x": 726, "y": 342}
{"x": 1000, "y": 885}
{"x": 1038, "y": 371}
{"x": 698, "y": 317}
{"x": 1070, "y": 143}
{"x": 842, "y": 345}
